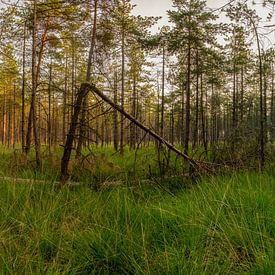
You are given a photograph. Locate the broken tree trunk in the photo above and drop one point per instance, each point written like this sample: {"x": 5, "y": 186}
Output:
{"x": 94, "y": 89}
{"x": 71, "y": 134}
{"x": 84, "y": 89}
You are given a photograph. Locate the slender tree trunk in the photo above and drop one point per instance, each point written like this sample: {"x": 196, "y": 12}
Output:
{"x": 9, "y": 122}
{"x": 234, "y": 117}
{"x": 265, "y": 84}
{"x": 242, "y": 94}
{"x": 14, "y": 116}
{"x": 83, "y": 122}
{"x": 64, "y": 114}
{"x": 133, "y": 126}
{"x": 34, "y": 88}
{"x": 213, "y": 117}
{"x": 272, "y": 102}
{"x": 262, "y": 97}
{"x": 23, "y": 91}
{"x": 181, "y": 116}
{"x": 32, "y": 119}
{"x": 5, "y": 118}
{"x": 49, "y": 112}
{"x": 195, "y": 136}
{"x": 172, "y": 128}
{"x": 122, "y": 85}
{"x": 29, "y": 130}
{"x": 73, "y": 77}
{"x": 158, "y": 106}
{"x": 188, "y": 95}
{"x": 203, "y": 133}
{"x": 36, "y": 66}
{"x": 162, "y": 93}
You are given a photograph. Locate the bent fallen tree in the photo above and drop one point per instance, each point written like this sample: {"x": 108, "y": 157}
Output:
{"x": 84, "y": 89}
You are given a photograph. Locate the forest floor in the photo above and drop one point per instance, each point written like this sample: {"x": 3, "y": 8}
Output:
{"x": 210, "y": 225}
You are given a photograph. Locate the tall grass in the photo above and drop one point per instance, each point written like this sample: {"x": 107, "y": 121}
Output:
{"x": 224, "y": 225}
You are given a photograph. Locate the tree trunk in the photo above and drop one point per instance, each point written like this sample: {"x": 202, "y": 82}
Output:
{"x": 49, "y": 112}
{"x": 115, "y": 115}
{"x": 83, "y": 122}
{"x": 71, "y": 134}
{"x": 35, "y": 77}
{"x": 34, "y": 88}
{"x": 162, "y": 93}
{"x": 134, "y": 113}
{"x": 122, "y": 85}
{"x": 64, "y": 114}
{"x": 14, "y": 117}
{"x": 203, "y": 132}
{"x": 195, "y": 136}
{"x": 188, "y": 94}
{"x": 23, "y": 91}
{"x": 272, "y": 102}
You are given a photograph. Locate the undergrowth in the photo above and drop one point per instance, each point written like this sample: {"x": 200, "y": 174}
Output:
{"x": 104, "y": 164}
{"x": 97, "y": 165}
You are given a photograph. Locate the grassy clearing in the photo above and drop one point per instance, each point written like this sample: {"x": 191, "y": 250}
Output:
{"x": 225, "y": 225}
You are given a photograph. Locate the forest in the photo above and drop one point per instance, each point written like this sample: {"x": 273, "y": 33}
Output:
{"x": 129, "y": 146}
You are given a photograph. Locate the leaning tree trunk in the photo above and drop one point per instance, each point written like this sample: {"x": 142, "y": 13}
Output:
{"x": 71, "y": 135}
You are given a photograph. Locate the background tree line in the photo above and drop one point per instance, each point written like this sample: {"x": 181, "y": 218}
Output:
{"x": 213, "y": 99}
